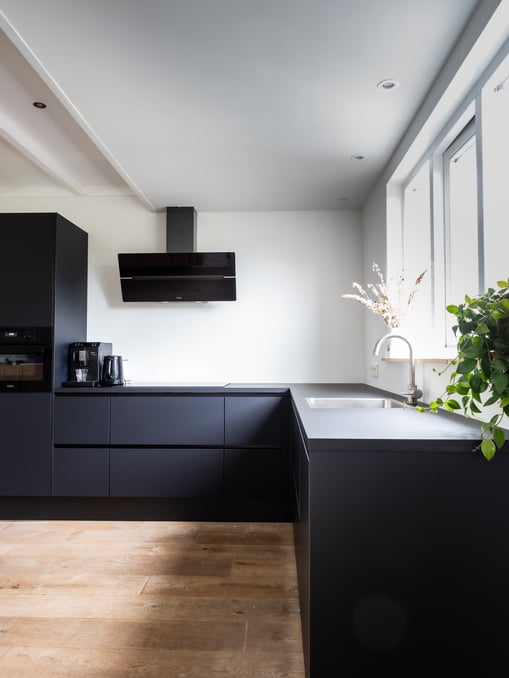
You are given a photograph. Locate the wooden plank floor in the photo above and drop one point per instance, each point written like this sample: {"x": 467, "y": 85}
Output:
{"x": 155, "y": 599}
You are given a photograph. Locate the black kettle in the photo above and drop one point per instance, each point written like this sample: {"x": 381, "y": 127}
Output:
{"x": 113, "y": 371}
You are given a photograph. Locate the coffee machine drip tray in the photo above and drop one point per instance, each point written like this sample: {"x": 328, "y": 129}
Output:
{"x": 79, "y": 384}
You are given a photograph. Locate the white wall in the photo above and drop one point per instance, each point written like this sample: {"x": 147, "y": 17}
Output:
{"x": 288, "y": 324}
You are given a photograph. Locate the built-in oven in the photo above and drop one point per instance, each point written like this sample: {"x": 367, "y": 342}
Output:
{"x": 25, "y": 359}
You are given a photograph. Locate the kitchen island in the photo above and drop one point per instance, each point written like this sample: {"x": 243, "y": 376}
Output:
{"x": 401, "y": 540}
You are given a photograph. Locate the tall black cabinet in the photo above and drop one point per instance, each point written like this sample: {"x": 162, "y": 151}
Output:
{"x": 43, "y": 284}
{"x": 43, "y": 279}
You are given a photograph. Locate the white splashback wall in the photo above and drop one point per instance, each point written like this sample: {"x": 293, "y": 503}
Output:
{"x": 288, "y": 324}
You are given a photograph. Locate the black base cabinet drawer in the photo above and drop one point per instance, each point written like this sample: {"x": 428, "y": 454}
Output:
{"x": 166, "y": 473}
{"x": 81, "y": 472}
{"x": 82, "y": 420}
{"x": 253, "y": 473}
{"x": 254, "y": 420}
{"x": 163, "y": 420}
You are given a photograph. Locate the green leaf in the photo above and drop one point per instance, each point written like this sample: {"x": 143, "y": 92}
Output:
{"x": 474, "y": 349}
{"x": 504, "y": 402}
{"x": 488, "y": 448}
{"x": 452, "y": 309}
{"x": 466, "y": 366}
{"x": 474, "y": 408}
{"x": 502, "y": 283}
{"x": 499, "y": 365}
{"x": 452, "y": 405}
{"x": 498, "y": 437}
{"x": 500, "y": 382}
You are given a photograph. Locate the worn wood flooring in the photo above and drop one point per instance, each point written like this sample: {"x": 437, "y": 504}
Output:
{"x": 154, "y": 599}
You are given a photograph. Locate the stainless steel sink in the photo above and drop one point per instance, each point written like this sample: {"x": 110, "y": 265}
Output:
{"x": 349, "y": 403}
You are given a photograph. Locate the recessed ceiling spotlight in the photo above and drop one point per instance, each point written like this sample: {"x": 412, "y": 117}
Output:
{"x": 388, "y": 85}
{"x": 39, "y": 104}
{"x": 357, "y": 156}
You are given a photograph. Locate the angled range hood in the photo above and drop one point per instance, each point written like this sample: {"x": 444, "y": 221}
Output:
{"x": 180, "y": 273}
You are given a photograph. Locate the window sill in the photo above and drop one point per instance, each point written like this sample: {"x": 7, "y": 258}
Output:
{"x": 438, "y": 361}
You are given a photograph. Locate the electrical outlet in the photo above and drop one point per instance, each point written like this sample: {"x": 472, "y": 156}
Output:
{"x": 374, "y": 369}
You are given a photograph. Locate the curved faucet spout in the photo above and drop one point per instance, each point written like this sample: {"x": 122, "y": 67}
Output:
{"x": 412, "y": 393}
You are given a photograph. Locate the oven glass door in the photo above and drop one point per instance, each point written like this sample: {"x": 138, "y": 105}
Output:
{"x": 25, "y": 368}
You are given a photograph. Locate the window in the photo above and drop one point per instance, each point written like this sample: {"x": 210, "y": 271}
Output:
{"x": 455, "y": 211}
{"x": 462, "y": 230}
{"x": 495, "y": 170}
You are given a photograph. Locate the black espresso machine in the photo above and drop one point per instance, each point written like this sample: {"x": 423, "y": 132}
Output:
{"x": 86, "y": 361}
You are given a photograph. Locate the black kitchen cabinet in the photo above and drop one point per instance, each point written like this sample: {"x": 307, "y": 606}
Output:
{"x": 78, "y": 470}
{"x": 253, "y": 473}
{"x": 25, "y": 449}
{"x": 126, "y": 444}
{"x": 167, "y": 420}
{"x": 301, "y": 526}
{"x": 81, "y": 472}
{"x": 166, "y": 472}
{"x": 27, "y": 266}
{"x": 82, "y": 420}
{"x": 254, "y": 420}
{"x": 43, "y": 279}
{"x": 256, "y": 461}
{"x": 401, "y": 560}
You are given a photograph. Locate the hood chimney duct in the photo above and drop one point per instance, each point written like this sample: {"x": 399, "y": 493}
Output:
{"x": 180, "y": 229}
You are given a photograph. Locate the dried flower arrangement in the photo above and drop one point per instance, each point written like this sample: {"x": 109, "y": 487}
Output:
{"x": 390, "y": 305}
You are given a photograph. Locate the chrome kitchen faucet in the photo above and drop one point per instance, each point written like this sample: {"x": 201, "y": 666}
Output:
{"x": 412, "y": 393}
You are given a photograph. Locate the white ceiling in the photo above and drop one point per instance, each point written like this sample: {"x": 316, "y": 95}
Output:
{"x": 222, "y": 104}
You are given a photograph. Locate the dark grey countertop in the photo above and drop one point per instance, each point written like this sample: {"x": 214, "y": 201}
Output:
{"x": 337, "y": 429}
{"x": 382, "y": 429}
{"x": 189, "y": 388}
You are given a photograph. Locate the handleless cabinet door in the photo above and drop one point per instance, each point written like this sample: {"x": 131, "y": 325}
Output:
{"x": 166, "y": 472}
{"x": 167, "y": 420}
{"x": 25, "y": 450}
{"x": 82, "y": 420}
{"x": 81, "y": 472}
{"x": 26, "y": 269}
{"x": 254, "y": 420}
{"x": 253, "y": 473}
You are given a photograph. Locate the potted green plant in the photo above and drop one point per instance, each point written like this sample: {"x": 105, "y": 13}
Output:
{"x": 480, "y": 376}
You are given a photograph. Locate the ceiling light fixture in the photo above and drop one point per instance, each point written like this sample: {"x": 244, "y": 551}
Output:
{"x": 388, "y": 85}
{"x": 39, "y": 104}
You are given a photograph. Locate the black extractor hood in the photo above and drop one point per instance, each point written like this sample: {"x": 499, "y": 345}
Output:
{"x": 180, "y": 273}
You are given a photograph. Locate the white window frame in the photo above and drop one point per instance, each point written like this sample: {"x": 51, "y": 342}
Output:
{"x": 469, "y": 109}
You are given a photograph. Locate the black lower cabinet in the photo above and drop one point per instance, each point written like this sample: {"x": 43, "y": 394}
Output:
{"x": 25, "y": 452}
{"x": 196, "y": 456}
{"x": 405, "y": 557}
{"x": 81, "y": 472}
{"x": 166, "y": 472}
{"x": 300, "y": 478}
{"x": 167, "y": 420}
{"x": 253, "y": 473}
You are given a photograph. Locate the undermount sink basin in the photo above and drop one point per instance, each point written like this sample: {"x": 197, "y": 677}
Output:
{"x": 349, "y": 403}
